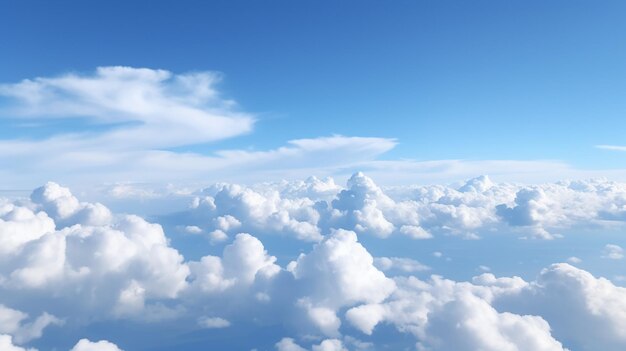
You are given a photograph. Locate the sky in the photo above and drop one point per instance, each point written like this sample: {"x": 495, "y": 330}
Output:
{"x": 517, "y": 80}
{"x": 312, "y": 175}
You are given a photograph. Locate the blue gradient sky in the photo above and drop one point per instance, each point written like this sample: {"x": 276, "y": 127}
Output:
{"x": 448, "y": 79}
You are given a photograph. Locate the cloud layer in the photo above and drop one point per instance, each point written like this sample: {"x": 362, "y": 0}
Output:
{"x": 70, "y": 264}
{"x": 306, "y": 210}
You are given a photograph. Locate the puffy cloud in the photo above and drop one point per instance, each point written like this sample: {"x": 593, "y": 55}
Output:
{"x": 84, "y": 267}
{"x": 59, "y": 203}
{"x": 234, "y": 207}
{"x": 574, "y": 260}
{"x": 477, "y": 207}
{"x": 445, "y": 315}
{"x": 12, "y": 323}
{"x": 288, "y": 344}
{"x": 213, "y": 322}
{"x": 329, "y": 345}
{"x": 613, "y": 252}
{"x": 20, "y": 225}
{"x": 242, "y": 262}
{"x": 585, "y": 312}
{"x": 565, "y": 308}
{"x": 95, "y": 263}
{"x": 366, "y": 317}
{"x": 340, "y": 271}
{"x": 471, "y": 323}
{"x": 102, "y": 345}
{"x": 6, "y": 344}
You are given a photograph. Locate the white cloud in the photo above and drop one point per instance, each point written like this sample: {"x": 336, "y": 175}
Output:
{"x": 6, "y": 344}
{"x": 102, "y": 345}
{"x": 586, "y": 312}
{"x": 565, "y": 307}
{"x": 213, "y": 322}
{"x": 85, "y": 264}
{"x": 470, "y": 323}
{"x": 186, "y": 107}
{"x": 12, "y": 322}
{"x": 288, "y": 344}
{"x": 243, "y": 261}
{"x": 341, "y": 268}
{"x": 613, "y": 252}
{"x": 574, "y": 260}
{"x": 401, "y": 264}
{"x": 612, "y": 147}
{"x": 329, "y": 345}
{"x": 122, "y": 262}
{"x": 471, "y": 210}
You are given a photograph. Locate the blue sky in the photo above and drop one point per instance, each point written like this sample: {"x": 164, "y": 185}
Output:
{"x": 285, "y": 175}
{"x": 517, "y": 80}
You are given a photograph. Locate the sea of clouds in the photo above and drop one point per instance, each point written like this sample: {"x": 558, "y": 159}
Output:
{"x": 72, "y": 265}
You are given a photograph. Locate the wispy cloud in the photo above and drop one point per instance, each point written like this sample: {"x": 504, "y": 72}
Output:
{"x": 146, "y": 114}
{"x": 145, "y": 108}
{"x": 612, "y": 147}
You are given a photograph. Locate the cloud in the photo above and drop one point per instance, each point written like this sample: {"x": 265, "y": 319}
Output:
{"x": 6, "y": 344}
{"x": 213, "y": 322}
{"x": 133, "y": 124}
{"x": 329, "y": 345}
{"x": 102, "y": 345}
{"x": 565, "y": 308}
{"x": 470, "y": 210}
{"x": 12, "y": 322}
{"x": 612, "y": 147}
{"x": 85, "y": 265}
{"x": 89, "y": 261}
{"x": 140, "y": 124}
{"x": 342, "y": 268}
{"x": 401, "y": 264}
{"x": 585, "y": 312}
{"x": 613, "y": 252}
{"x": 187, "y": 107}
{"x": 470, "y": 323}
{"x": 288, "y": 344}
{"x": 574, "y": 260}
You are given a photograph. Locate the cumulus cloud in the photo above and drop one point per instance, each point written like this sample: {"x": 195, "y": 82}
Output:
{"x": 341, "y": 268}
{"x": 288, "y": 344}
{"x": 445, "y": 315}
{"x": 564, "y": 308}
{"x": 585, "y": 312}
{"x": 471, "y": 323}
{"x": 613, "y": 252}
{"x": 89, "y": 261}
{"x": 329, "y": 345}
{"x": 6, "y": 344}
{"x": 12, "y": 323}
{"x": 80, "y": 263}
{"x": 242, "y": 261}
{"x": 475, "y": 208}
{"x": 102, "y": 345}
